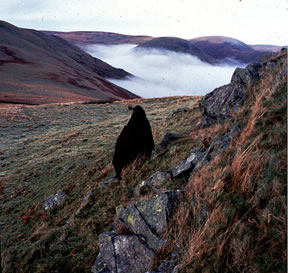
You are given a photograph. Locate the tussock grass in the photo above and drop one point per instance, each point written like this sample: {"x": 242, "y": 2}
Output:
{"x": 243, "y": 191}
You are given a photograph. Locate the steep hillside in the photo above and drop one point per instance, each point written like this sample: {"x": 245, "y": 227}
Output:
{"x": 222, "y": 48}
{"x": 177, "y": 45}
{"x": 99, "y": 37}
{"x": 36, "y": 68}
{"x": 213, "y": 197}
{"x": 233, "y": 217}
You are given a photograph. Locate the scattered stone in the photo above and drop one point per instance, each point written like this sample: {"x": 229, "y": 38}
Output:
{"x": 185, "y": 167}
{"x": 68, "y": 167}
{"x": 154, "y": 182}
{"x": 108, "y": 182}
{"x": 178, "y": 111}
{"x": 54, "y": 200}
{"x": 168, "y": 138}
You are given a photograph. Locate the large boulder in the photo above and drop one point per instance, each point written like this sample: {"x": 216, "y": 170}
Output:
{"x": 218, "y": 105}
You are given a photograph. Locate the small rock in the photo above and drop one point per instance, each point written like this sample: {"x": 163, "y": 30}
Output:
{"x": 154, "y": 182}
{"x": 176, "y": 112}
{"x": 108, "y": 182}
{"x": 168, "y": 138}
{"x": 185, "y": 167}
{"x": 54, "y": 200}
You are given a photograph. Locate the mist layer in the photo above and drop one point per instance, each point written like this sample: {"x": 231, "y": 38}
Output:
{"x": 161, "y": 73}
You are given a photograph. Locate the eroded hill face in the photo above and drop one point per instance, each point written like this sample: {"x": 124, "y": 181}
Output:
{"x": 36, "y": 68}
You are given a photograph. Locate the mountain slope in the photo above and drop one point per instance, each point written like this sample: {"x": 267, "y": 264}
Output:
{"x": 221, "y": 48}
{"x": 37, "y": 68}
{"x": 99, "y": 37}
{"x": 177, "y": 45}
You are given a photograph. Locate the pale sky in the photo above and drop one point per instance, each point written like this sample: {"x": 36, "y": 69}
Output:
{"x": 251, "y": 21}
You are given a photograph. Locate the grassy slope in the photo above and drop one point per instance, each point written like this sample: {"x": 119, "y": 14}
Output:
{"x": 245, "y": 191}
{"x": 46, "y": 149}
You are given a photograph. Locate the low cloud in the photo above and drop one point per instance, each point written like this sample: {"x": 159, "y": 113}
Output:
{"x": 160, "y": 73}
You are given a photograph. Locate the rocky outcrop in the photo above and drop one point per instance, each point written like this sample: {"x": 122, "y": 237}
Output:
{"x": 218, "y": 105}
{"x": 136, "y": 236}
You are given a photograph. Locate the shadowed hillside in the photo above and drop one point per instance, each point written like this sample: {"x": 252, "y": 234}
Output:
{"x": 36, "y": 68}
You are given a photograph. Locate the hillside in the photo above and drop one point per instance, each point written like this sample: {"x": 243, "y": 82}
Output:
{"x": 99, "y": 37}
{"x": 222, "y": 48}
{"x": 36, "y": 68}
{"x": 176, "y": 45}
{"x": 211, "y": 49}
{"x": 218, "y": 205}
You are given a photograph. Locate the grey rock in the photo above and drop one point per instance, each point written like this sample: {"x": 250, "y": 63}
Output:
{"x": 108, "y": 182}
{"x": 154, "y": 182}
{"x": 143, "y": 224}
{"x": 218, "y": 146}
{"x": 218, "y": 105}
{"x": 158, "y": 209}
{"x": 177, "y": 112}
{"x": 148, "y": 217}
{"x": 122, "y": 254}
{"x": 106, "y": 257}
{"x": 130, "y": 219}
{"x": 54, "y": 200}
{"x": 185, "y": 167}
{"x": 168, "y": 138}
{"x": 132, "y": 255}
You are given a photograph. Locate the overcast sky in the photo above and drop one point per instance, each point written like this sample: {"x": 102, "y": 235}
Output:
{"x": 252, "y": 21}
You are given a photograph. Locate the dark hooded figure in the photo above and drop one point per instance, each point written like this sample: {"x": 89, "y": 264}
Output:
{"x": 135, "y": 141}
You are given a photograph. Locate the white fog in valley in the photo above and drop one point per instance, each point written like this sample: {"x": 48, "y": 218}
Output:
{"x": 162, "y": 73}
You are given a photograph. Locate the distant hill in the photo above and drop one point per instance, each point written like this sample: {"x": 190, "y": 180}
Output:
{"x": 36, "y": 68}
{"x": 99, "y": 37}
{"x": 177, "y": 45}
{"x": 225, "y": 48}
{"x": 211, "y": 49}
{"x": 267, "y": 48}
